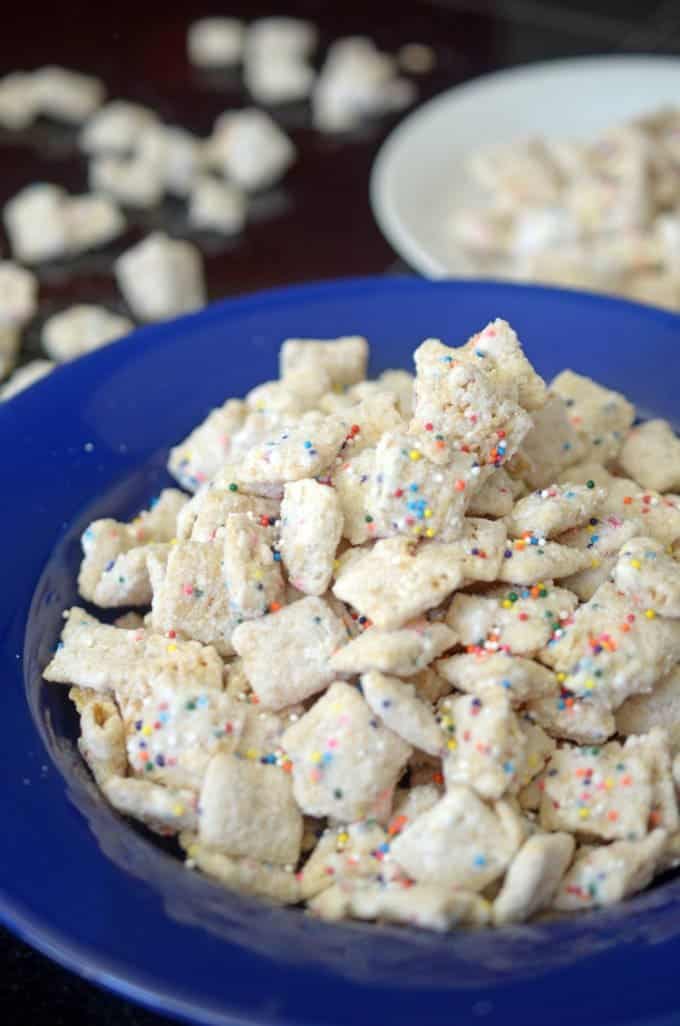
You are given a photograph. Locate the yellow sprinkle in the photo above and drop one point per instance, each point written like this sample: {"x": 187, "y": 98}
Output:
{"x": 336, "y": 564}
{"x": 452, "y": 745}
{"x": 609, "y": 783}
{"x": 178, "y": 810}
{"x": 415, "y": 454}
{"x": 650, "y": 614}
{"x": 315, "y": 757}
{"x": 343, "y": 838}
{"x": 636, "y": 564}
{"x": 507, "y": 604}
{"x": 429, "y": 532}
{"x": 532, "y": 760}
{"x": 427, "y": 513}
{"x": 258, "y": 575}
{"x": 173, "y": 541}
{"x": 251, "y": 753}
{"x": 561, "y": 677}
{"x": 171, "y": 649}
{"x": 589, "y": 684}
{"x": 147, "y": 731}
{"x": 595, "y": 563}
{"x": 584, "y": 813}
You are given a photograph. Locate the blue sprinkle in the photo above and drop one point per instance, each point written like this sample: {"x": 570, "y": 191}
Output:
{"x": 307, "y": 445}
{"x": 277, "y": 556}
{"x": 479, "y": 860}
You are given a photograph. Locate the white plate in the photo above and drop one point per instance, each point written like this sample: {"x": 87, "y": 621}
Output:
{"x": 419, "y": 174}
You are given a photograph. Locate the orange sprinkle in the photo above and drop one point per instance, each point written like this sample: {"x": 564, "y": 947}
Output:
{"x": 274, "y": 607}
{"x": 612, "y": 816}
{"x": 627, "y": 500}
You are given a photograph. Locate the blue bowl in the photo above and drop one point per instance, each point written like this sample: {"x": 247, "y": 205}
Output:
{"x": 94, "y": 892}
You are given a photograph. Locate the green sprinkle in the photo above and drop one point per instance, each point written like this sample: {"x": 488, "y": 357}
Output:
{"x": 590, "y": 484}
{"x": 233, "y": 487}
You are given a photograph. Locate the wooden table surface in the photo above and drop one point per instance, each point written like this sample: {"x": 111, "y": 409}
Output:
{"x": 318, "y": 224}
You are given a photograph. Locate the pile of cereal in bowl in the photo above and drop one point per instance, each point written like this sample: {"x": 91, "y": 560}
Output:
{"x": 409, "y": 652}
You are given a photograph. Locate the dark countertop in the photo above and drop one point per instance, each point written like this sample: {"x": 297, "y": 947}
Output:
{"x": 317, "y": 225}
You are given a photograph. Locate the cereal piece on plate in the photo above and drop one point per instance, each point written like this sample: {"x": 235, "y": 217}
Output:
{"x": 252, "y": 573}
{"x": 191, "y": 597}
{"x": 497, "y": 350}
{"x": 494, "y": 498}
{"x": 24, "y": 377}
{"x": 400, "y": 708}
{"x": 551, "y": 445}
{"x": 352, "y": 483}
{"x": 539, "y": 747}
{"x": 575, "y": 719}
{"x": 286, "y": 655}
{"x": 18, "y": 101}
{"x": 129, "y": 621}
{"x": 80, "y": 329}
{"x": 338, "y": 853}
{"x": 117, "y": 128}
{"x": 481, "y": 230}
{"x": 536, "y": 229}
{"x": 304, "y": 449}
{"x": 215, "y": 42}
{"x": 409, "y": 803}
{"x": 402, "y": 652}
{"x": 552, "y": 510}
{"x": 67, "y": 95}
{"x": 126, "y": 580}
{"x": 398, "y": 579}
{"x": 244, "y": 875}
{"x": 659, "y": 708}
{"x": 461, "y": 842}
{"x": 611, "y": 649}
{"x": 311, "y": 528}
{"x": 345, "y": 761}
{"x": 651, "y": 577}
{"x": 94, "y": 655}
{"x": 656, "y": 288}
{"x": 521, "y": 620}
{"x": 533, "y": 877}
{"x": 217, "y": 206}
{"x": 485, "y": 747}
{"x": 345, "y": 359}
{"x": 654, "y": 748}
{"x": 400, "y": 384}
{"x": 651, "y": 456}
{"x": 517, "y": 172}
{"x": 480, "y": 548}
{"x": 458, "y": 406}
{"x": 162, "y": 809}
{"x": 367, "y": 421}
{"x": 600, "y": 416}
{"x": 479, "y": 672}
{"x": 290, "y": 398}
{"x": 249, "y": 148}
{"x": 204, "y": 517}
{"x": 532, "y": 559}
{"x": 247, "y": 809}
{"x": 196, "y": 459}
{"x": 607, "y": 874}
{"x": 262, "y": 731}
{"x": 161, "y": 278}
{"x": 102, "y": 734}
{"x": 603, "y": 539}
{"x": 421, "y": 905}
{"x": 409, "y": 494}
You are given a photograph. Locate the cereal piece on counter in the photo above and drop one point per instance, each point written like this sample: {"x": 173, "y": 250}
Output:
{"x": 67, "y": 95}
{"x": 600, "y": 416}
{"x": 196, "y": 459}
{"x": 92, "y": 221}
{"x": 252, "y": 573}
{"x": 191, "y": 597}
{"x": 117, "y": 128}
{"x": 217, "y": 206}
{"x": 278, "y": 79}
{"x": 306, "y": 628}
{"x": 106, "y": 542}
{"x": 81, "y": 329}
{"x": 311, "y": 528}
{"x": 281, "y": 37}
{"x": 497, "y": 350}
{"x": 409, "y": 494}
{"x": 161, "y": 278}
{"x": 24, "y": 377}
{"x": 485, "y": 747}
{"x": 249, "y": 148}
{"x": 36, "y": 223}
{"x": 480, "y": 548}
{"x": 162, "y": 809}
{"x": 18, "y": 303}
{"x": 604, "y": 875}
{"x": 398, "y": 579}
{"x": 533, "y": 877}
{"x": 18, "y": 101}
{"x": 303, "y": 449}
{"x": 480, "y": 672}
{"x": 400, "y": 708}
{"x": 551, "y": 444}
{"x": 402, "y": 652}
{"x": 494, "y": 498}
{"x": 461, "y": 842}
{"x": 182, "y": 159}
{"x": 651, "y": 456}
{"x": 659, "y": 708}
{"x": 135, "y": 181}
{"x": 351, "y": 480}
{"x": 204, "y": 517}
{"x": 102, "y": 734}
{"x": 611, "y": 648}
{"x": 346, "y": 762}
{"x": 215, "y": 42}
{"x": 243, "y": 875}
{"x": 521, "y": 621}
{"x": 94, "y": 655}
{"x": 247, "y": 809}
{"x": 550, "y": 511}
{"x": 533, "y": 559}
{"x": 645, "y": 572}
{"x": 345, "y": 358}
{"x": 457, "y": 406}
{"x": 172, "y": 730}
